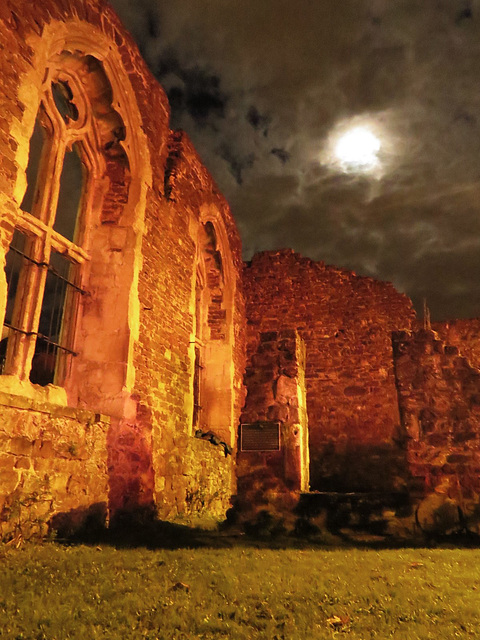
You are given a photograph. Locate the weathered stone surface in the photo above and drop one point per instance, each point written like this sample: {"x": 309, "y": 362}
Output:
{"x": 269, "y": 480}
{"x": 462, "y": 335}
{"x": 438, "y": 392}
{"x": 136, "y": 326}
{"x": 58, "y": 467}
{"x": 346, "y": 322}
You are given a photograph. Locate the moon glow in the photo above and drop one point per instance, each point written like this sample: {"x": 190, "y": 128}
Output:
{"x": 357, "y": 150}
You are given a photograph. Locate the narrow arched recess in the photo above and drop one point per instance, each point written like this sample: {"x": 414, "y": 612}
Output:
{"x": 212, "y": 379}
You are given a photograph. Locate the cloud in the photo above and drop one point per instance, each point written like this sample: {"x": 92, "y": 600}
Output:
{"x": 263, "y": 87}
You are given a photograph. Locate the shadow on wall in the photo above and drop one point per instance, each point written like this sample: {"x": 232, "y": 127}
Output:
{"x": 358, "y": 467}
{"x": 130, "y": 464}
{"x": 92, "y": 518}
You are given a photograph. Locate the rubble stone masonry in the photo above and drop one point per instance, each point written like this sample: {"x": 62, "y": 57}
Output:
{"x": 191, "y": 475}
{"x": 346, "y": 323}
{"x": 439, "y": 397}
{"x": 464, "y": 334}
{"x": 275, "y": 381}
{"x": 53, "y": 468}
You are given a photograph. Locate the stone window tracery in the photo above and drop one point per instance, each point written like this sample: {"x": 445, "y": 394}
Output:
{"x": 77, "y": 134}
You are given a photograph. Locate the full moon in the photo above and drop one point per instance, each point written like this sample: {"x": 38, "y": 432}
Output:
{"x": 357, "y": 149}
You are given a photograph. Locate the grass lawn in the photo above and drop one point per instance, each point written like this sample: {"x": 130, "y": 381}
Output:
{"x": 85, "y": 592}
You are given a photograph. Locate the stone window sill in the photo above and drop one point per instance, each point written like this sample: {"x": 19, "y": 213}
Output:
{"x": 50, "y": 399}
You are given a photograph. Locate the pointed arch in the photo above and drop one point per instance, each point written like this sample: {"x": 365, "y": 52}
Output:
{"x": 85, "y": 101}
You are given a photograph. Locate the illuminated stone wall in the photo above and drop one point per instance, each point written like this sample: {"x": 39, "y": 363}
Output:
{"x": 135, "y": 331}
{"x": 270, "y": 478}
{"x": 190, "y": 474}
{"x": 439, "y": 396}
{"x": 346, "y": 322}
{"x": 53, "y": 468}
{"x": 439, "y": 389}
{"x": 464, "y": 334}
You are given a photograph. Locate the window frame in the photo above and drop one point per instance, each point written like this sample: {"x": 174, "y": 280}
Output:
{"x": 61, "y": 133}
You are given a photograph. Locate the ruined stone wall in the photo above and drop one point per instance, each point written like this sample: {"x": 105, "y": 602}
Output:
{"x": 53, "y": 468}
{"x": 191, "y": 475}
{"x": 134, "y": 334}
{"x": 439, "y": 397}
{"x": 464, "y": 334}
{"x": 270, "y": 479}
{"x": 276, "y": 394}
{"x": 30, "y": 34}
{"x": 346, "y": 322}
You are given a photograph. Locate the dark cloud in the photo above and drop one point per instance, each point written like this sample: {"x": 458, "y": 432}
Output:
{"x": 237, "y": 164}
{"x": 152, "y": 22}
{"x": 191, "y": 89}
{"x": 466, "y": 13}
{"x": 258, "y": 121}
{"x": 281, "y": 154}
{"x": 264, "y": 87}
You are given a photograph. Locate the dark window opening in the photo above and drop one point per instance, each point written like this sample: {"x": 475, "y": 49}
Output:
{"x": 70, "y": 194}
{"x": 63, "y": 96}
{"x": 15, "y": 260}
{"x": 34, "y": 157}
{"x": 60, "y": 297}
{"x": 51, "y": 343}
{"x": 196, "y": 387}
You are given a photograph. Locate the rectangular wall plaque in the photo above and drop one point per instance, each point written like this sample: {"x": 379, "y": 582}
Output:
{"x": 260, "y": 436}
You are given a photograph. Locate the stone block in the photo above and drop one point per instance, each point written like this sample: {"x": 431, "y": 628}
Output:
{"x": 9, "y": 480}
{"x": 286, "y": 388}
{"x": 278, "y": 412}
{"x": 7, "y": 462}
{"x": 20, "y": 445}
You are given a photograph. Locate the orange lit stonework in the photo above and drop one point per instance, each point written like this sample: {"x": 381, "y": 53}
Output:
{"x": 109, "y": 425}
{"x": 138, "y": 352}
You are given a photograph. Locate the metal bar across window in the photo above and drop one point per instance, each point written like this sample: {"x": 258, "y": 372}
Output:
{"x": 41, "y": 336}
{"x": 50, "y": 268}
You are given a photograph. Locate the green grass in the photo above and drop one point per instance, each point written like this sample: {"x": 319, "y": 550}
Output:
{"x": 55, "y": 592}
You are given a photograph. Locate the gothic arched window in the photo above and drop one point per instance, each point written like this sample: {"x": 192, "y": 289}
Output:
{"x": 47, "y": 253}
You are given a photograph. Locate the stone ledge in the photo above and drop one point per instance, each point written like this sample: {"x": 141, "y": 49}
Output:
{"x": 54, "y": 410}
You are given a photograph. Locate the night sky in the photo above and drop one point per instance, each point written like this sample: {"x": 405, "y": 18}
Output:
{"x": 265, "y": 87}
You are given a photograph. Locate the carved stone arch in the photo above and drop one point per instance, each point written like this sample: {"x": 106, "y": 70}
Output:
{"x": 116, "y": 155}
{"x": 213, "y": 366}
{"x": 99, "y": 124}
{"x": 211, "y": 216}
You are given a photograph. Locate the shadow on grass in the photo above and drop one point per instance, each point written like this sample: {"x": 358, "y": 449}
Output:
{"x": 142, "y": 529}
